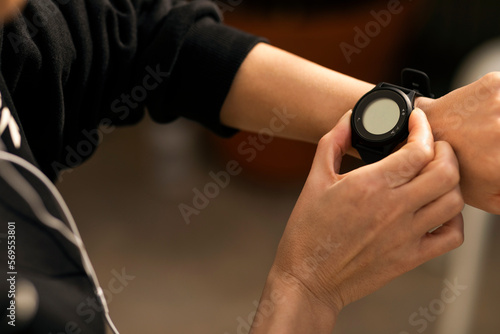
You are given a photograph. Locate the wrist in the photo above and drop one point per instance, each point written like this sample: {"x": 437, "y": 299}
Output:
{"x": 287, "y": 306}
{"x": 425, "y": 104}
{"x": 422, "y": 102}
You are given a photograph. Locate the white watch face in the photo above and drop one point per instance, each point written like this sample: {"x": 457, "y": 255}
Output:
{"x": 381, "y": 116}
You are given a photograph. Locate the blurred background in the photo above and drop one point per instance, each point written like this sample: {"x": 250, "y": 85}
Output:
{"x": 207, "y": 276}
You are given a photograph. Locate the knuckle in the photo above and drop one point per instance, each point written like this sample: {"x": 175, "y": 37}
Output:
{"x": 492, "y": 79}
{"x": 448, "y": 172}
{"x": 491, "y": 82}
{"x": 426, "y": 152}
{"x": 457, "y": 202}
{"x": 494, "y": 100}
{"x": 324, "y": 140}
{"x": 456, "y": 238}
{"x": 446, "y": 152}
{"x": 443, "y": 145}
{"x": 493, "y": 204}
{"x": 420, "y": 154}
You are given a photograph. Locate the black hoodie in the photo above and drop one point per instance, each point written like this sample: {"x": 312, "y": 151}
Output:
{"x": 70, "y": 70}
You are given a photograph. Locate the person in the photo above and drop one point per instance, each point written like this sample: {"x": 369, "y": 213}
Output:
{"x": 72, "y": 70}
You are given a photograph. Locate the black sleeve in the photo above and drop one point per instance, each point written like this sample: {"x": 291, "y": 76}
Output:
{"x": 202, "y": 70}
{"x": 70, "y": 65}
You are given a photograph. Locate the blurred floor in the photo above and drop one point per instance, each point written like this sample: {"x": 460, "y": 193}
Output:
{"x": 205, "y": 277}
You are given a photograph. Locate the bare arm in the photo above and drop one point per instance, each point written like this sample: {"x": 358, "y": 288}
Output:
{"x": 467, "y": 118}
{"x": 272, "y": 78}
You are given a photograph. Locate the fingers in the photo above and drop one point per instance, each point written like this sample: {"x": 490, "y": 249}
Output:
{"x": 332, "y": 147}
{"x": 402, "y": 166}
{"x": 446, "y": 238}
{"x": 438, "y": 178}
{"x": 420, "y": 131}
{"x": 441, "y": 210}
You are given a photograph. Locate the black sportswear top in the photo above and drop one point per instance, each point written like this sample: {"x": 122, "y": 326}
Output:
{"x": 67, "y": 66}
{"x": 70, "y": 64}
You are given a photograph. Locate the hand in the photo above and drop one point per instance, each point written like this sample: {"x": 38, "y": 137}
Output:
{"x": 350, "y": 234}
{"x": 469, "y": 119}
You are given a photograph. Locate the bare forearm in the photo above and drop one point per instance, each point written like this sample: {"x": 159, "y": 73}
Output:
{"x": 271, "y": 78}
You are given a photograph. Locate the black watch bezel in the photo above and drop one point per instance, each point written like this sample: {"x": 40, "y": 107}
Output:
{"x": 371, "y": 147}
{"x": 394, "y": 135}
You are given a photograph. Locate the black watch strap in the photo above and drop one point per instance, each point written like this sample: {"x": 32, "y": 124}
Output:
{"x": 370, "y": 155}
{"x": 413, "y": 81}
{"x": 409, "y": 92}
{"x": 416, "y": 81}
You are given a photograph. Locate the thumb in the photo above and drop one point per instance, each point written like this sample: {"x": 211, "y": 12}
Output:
{"x": 332, "y": 147}
{"x": 402, "y": 166}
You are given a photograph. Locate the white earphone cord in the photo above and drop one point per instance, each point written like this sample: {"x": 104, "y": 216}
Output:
{"x": 17, "y": 182}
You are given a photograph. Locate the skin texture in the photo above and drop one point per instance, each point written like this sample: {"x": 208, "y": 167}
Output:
{"x": 10, "y": 8}
{"x": 272, "y": 78}
{"x": 468, "y": 118}
{"x": 342, "y": 242}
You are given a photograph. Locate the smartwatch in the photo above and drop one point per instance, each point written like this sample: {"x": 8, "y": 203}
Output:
{"x": 379, "y": 120}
